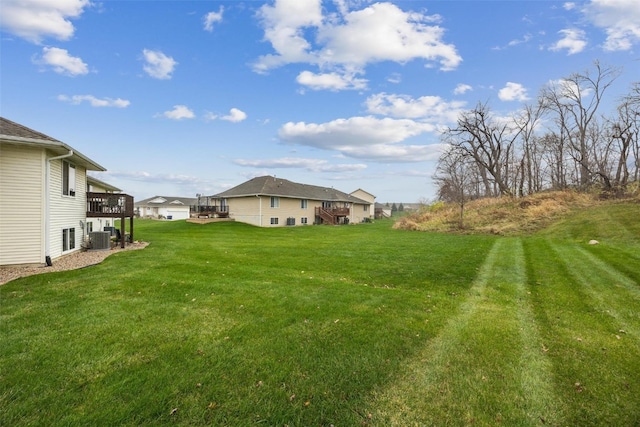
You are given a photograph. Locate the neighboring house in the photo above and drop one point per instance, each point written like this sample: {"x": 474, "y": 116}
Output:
{"x": 382, "y": 211}
{"x": 43, "y": 205}
{"x": 163, "y": 207}
{"x": 268, "y": 201}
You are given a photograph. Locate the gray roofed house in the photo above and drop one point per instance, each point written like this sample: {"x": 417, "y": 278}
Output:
{"x": 270, "y": 202}
{"x": 45, "y": 210}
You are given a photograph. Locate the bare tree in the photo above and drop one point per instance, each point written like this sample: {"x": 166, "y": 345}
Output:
{"x": 455, "y": 176}
{"x": 574, "y": 101}
{"x": 531, "y": 156}
{"x": 490, "y": 143}
{"x": 624, "y": 139}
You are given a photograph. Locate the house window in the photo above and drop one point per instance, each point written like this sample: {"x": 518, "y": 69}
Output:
{"x": 304, "y": 204}
{"x": 274, "y": 221}
{"x": 275, "y": 202}
{"x": 68, "y": 179}
{"x": 68, "y": 239}
{"x": 303, "y": 220}
{"x": 366, "y": 208}
{"x": 89, "y": 227}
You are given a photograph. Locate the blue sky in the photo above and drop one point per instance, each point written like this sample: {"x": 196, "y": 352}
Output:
{"x": 183, "y": 97}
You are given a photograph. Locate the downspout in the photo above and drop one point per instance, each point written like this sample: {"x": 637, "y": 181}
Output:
{"x": 259, "y": 209}
{"x": 47, "y": 207}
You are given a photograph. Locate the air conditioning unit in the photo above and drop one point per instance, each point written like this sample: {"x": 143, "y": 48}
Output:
{"x": 100, "y": 240}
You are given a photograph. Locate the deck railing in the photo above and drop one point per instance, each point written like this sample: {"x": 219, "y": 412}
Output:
{"x": 210, "y": 211}
{"x": 112, "y": 205}
{"x": 332, "y": 215}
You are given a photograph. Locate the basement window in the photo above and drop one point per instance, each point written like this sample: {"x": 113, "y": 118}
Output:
{"x": 68, "y": 239}
{"x": 274, "y": 221}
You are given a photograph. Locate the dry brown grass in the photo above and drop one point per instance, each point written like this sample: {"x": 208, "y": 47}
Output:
{"x": 503, "y": 216}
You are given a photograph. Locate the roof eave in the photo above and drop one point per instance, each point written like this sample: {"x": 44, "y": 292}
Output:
{"x": 56, "y": 146}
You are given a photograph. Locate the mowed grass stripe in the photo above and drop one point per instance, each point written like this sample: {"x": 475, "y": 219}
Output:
{"x": 465, "y": 375}
{"x": 596, "y": 368}
{"x": 536, "y": 369}
{"x": 615, "y": 294}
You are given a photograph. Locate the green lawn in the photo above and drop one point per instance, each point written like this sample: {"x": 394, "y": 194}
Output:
{"x": 228, "y": 324}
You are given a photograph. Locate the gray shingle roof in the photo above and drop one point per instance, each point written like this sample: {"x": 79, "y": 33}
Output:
{"x": 15, "y": 133}
{"x": 169, "y": 201}
{"x": 97, "y": 182}
{"x": 272, "y": 186}
{"x": 9, "y": 128}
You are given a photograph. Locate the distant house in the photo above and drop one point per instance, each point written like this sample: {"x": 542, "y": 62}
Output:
{"x": 382, "y": 211}
{"x": 164, "y": 207}
{"x": 43, "y": 205}
{"x": 268, "y": 201}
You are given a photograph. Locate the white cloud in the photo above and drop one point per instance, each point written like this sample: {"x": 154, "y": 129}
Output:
{"x": 284, "y": 23}
{"x": 462, "y": 88}
{"x": 209, "y": 116}
{"x": 620, "y": 20}
{"x": 331, "y": 81}
{"x": 235, "y": 115}
{"x": 569, "y": 6}
{"x": 428, "y": 108}
{"x": 568, "y": 89}
{"x": 34, "y": 20}
{"x": 312, "y": 165}
{"x": 346, "y": 42}
{"x": 158, "y": 65}
{"x": 95, "y": 102}
{"x": 179, "y": 112}
{"x": 394, "y": 78}
{"x": 363, "y": 137}
{"x": 524, "y": 39}
{"x": 513, "y": 92}
{"x": 212, "y": 18}
{"x": 62, "y": 62}
{"x": 573, "y": 41}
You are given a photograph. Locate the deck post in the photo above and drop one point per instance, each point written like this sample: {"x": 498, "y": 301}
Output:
{"x": 122, "y": 228}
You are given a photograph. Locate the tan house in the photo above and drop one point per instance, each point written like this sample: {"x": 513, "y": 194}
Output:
{"x": 43, "y": 205}
{"x": 268, "y": 201}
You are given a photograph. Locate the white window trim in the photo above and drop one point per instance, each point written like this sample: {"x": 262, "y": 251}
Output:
{"x": 68, "y": 239}
{"x": 68, "y": 179}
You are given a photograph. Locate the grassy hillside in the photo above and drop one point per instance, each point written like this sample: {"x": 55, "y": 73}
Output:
{"x": 507, "y": 216}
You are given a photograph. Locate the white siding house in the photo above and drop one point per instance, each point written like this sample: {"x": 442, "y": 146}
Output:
{"x": 43, "y": 203}
{"x": 164, "y": 207}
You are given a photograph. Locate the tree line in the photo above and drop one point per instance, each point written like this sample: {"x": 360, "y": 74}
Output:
{"x": 561, "y": 141}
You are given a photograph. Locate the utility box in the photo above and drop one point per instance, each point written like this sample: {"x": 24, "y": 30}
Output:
{"x": 100, "y": 240}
